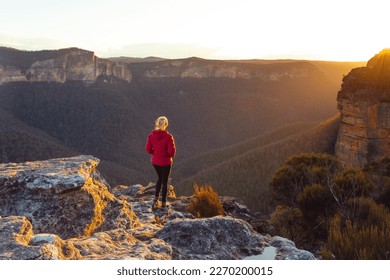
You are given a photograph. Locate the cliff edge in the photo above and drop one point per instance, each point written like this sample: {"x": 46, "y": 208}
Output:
{"x": 364, "y": 104}
{"x": 63, "y": 209}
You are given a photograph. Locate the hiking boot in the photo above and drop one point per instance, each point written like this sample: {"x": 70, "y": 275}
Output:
{"x": 155, "y": 200}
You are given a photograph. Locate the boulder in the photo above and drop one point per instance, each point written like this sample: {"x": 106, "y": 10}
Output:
{"x": 212, "y": 238}
{"x": 286, "y": 250}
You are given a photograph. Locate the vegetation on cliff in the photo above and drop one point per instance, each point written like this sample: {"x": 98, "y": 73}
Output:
{"x": 343, "y": 211}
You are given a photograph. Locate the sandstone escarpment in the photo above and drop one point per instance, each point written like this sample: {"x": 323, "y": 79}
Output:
{"x": 58, "y": 66}
{"x": 364, "y": 104}
{"x": 200, "y": 68}
{"x": 80, "y": 65}
{"x": 63, "y": 209}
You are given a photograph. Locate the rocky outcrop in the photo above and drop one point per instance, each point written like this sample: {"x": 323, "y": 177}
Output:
{"x": 63, "y": 209}
{"x": 364, "y": 104}
{"x": 62, "y": 196}
{"x": 61, "y": 66}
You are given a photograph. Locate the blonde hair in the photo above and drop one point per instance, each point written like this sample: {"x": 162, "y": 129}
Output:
{"x": 161, "y": 123}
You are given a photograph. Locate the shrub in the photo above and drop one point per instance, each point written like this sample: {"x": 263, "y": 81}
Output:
{"x": 379, "y": 172}
{"x": 365, "y": 237}
{"x": 205, "y": 202}
{"x": 384, "y": 195}
{"x": 351, "y": 183}
{"x": 317, "y": 205}
{"x": 300, "y": 171}
{"x": 366, "y": 212}
{"x": 288, "y": 222}
{"x": 315, "y": 200}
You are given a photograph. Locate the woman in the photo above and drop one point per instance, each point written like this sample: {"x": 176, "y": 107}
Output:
{"x": 161, "y": 145}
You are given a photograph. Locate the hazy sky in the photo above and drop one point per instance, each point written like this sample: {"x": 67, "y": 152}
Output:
{"x": 310, "y": 29}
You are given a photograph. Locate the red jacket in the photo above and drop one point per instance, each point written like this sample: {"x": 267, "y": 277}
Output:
{"x": 161, "y": 145}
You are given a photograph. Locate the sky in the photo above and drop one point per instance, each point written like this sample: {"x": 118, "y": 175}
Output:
{"x": 338, "y": 30}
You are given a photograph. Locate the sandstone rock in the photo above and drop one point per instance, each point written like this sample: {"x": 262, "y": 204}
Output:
{"x": 141, "y": 200}
{"x": 57, "y": 175}
{"x": 212, "y": 238}
{"x": 76, "y": 216}
{"x": 236, "y": 208}
{"x": 364, "y": 104}
{"x": 18, "y": 242}
{"x": 200, "y": 68}
{"x": 141, "y": 192}
{"x": 62, "y": 196}
{"x": 215, "y": 238}
{"x": 286, "y": 250}
{"x": 120, "y": 244}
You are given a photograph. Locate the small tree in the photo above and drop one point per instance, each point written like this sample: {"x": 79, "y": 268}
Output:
{"x": 205, "y": 202}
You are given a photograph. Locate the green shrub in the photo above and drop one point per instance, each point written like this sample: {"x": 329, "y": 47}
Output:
{"x": 317, "y": 205}
{"x": 205, "y": 202}
{"x": 365, "y": 236}
{"x": 289, "y": 223}
{"x": 315, "y": 200}
{"x": 379, "y": 172}
{"x": 351, "y": 183}
{"x": 300, "y": 171}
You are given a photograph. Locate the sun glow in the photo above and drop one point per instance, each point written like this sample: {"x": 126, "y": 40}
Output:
{"x": 304, "y": 29}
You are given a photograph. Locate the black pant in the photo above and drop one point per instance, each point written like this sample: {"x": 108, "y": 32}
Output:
{"x": 163, "y": 173}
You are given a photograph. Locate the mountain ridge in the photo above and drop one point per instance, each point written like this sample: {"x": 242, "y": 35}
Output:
{"x": 17, "y": 65}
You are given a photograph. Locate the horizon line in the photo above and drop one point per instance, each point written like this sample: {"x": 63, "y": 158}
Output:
{"x": 273, "y": 58}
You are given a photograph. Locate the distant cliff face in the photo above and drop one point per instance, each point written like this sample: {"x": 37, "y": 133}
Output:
{"x": 200, "y": 68}
{"x": 76, "y": 64}
{"x": 364, "y": 104}
{"x": 58, "y": 66}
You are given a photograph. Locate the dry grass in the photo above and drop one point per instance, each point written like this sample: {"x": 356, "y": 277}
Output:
{"x": 205, "y": 202}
